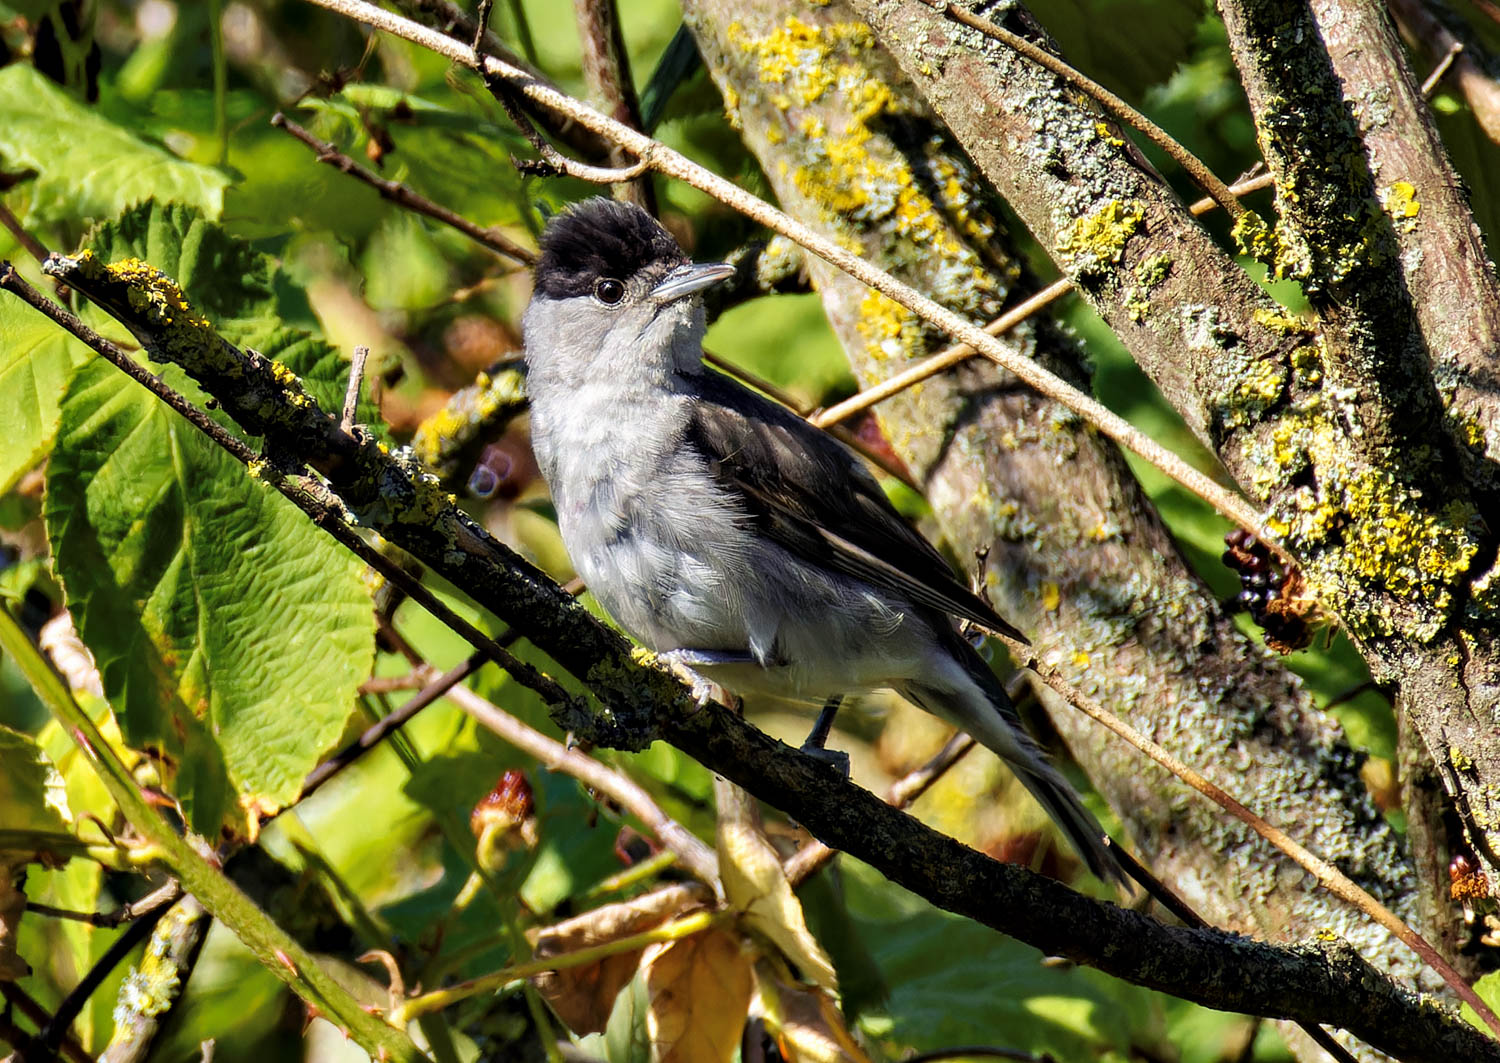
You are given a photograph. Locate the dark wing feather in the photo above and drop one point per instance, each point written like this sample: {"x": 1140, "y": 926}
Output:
{"x": 814, "y": 498}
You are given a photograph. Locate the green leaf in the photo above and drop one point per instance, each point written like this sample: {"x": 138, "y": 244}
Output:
{"x": 953, "y": 982}
{"x": 231, "y": 634}
{"x": 225, "y": 279}
{"x": 36, "y": 361}
{"x": 234, "y": 286}
{"x": 33, "y": 797}
{"x": 61, "y": 951}
{"x": 1488, "y": 990}
{"x": 86, "y": 165}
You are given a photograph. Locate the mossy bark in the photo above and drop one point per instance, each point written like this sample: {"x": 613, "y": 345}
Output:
{"x": 1076, "y": 556}
{"x": 1334, "y": 424}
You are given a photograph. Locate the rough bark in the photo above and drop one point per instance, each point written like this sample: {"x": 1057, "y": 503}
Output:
{"x": 1337, "y": 429}
{"x": 1077, "y": 557}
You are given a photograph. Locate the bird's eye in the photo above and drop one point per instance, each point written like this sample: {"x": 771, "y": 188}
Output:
{"x": 608, "y": 290}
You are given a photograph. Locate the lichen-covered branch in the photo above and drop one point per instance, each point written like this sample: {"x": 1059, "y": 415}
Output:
{"x": 1372, "y": 223}
{"x": 1089, "y": 572}
{"x": 1441, "y": 253}
{"x": 1385, "y": 540}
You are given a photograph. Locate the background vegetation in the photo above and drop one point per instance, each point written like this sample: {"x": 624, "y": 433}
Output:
{"x": 235, "y": 646}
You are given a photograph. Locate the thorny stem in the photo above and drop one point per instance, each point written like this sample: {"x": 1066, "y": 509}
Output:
{"x": 273, "y": 948}
{"x": 674, "y": 164}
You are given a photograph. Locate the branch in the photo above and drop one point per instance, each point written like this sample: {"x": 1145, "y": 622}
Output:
{"x": 1316, "y": 984}
{"x": 606, "y": 71}
{"x": 674, "y": 164}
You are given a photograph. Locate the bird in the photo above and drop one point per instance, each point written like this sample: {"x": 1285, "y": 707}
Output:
{"x": 723, "y": 531}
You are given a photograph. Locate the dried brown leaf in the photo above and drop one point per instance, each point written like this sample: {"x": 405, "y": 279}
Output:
{"x": 699, "y": 989}
{"x": 756, "y": 884}
{"x": 583, "y": 996}
{"x": 807, "y": 1024}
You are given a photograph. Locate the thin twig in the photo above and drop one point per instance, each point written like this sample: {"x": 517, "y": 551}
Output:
{"x": 1201, "y": 174}
{"x": 23, "y": 1002}
{"x": 606, "y": 71}
{"x": 399, "y": 194}
{"x": 376, "y": 733}
{"x": 157, "y": 898}
{"x": 351, "y": 393}
{"x": 416, "y": 679}
{"x": 554, "y": 163}
{"x": 695, "y": 856}
{"x": 32, "y": 245}
{"x": 1330, "y": 877}
{"x": 49, "y": 1038}
{"x": 674, "y": 164}
{"x": 1435, "y": 78}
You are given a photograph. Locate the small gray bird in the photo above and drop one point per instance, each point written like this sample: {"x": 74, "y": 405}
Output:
{"x": 724, "y": 532}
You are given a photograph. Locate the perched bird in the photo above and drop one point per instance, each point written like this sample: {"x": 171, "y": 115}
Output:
{"x": 723, "y": 531}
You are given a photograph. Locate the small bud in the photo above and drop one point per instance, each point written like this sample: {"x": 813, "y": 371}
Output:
{"x": 505, "y": 818}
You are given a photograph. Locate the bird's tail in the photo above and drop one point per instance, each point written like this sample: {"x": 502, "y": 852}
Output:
{"x": 967, "y": 695}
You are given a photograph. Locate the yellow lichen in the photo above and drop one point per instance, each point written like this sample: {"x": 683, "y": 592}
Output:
{"x": 1106, "y": 135}
{"x": 1051, "y": 596}
{"x": 1364, "y": 531}
{"x": 1255, "y": 238}
{"x": 835, "y": 158}
{"x": 1400, "y": 202}
{"x": 1095, "y": 242}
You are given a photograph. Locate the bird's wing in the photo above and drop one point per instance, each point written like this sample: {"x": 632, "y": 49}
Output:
{"x": 814, "y": 498}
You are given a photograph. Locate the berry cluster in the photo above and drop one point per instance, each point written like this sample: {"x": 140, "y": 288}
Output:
{"x": 1274, "y": 596}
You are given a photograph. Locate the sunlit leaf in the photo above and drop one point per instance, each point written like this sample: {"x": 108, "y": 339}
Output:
{"x": 36, "y": 360}
{"x": 700, "y": 994}
{"x": 806, "y": 1022}
{"x": 87, "y": 166}
{"x": 584, "y": 996}
{"x": 231, "y": 633}
{"x": 755, "y": 883}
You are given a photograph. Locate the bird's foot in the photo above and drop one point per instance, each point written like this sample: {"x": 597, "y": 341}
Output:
{"x": 685, "y": 662}
{"x": 834, "y": 758}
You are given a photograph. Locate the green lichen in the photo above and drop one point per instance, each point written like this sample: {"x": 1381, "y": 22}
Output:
{"x": 1095, "y": 243}
{"x": 1152, "y": 270}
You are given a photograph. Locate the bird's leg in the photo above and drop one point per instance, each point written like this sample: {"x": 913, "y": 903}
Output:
{"x": 816, "y": 739}
{"x": 685, "y": 660}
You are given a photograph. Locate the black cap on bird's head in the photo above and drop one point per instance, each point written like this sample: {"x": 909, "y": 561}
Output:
{"x": 602, "y": 240}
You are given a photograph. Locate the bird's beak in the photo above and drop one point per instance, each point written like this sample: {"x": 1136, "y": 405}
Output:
{"x": 693, "y": 277}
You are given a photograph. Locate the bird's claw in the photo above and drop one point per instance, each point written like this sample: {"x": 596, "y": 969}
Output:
{"x": 834, "y": 758}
